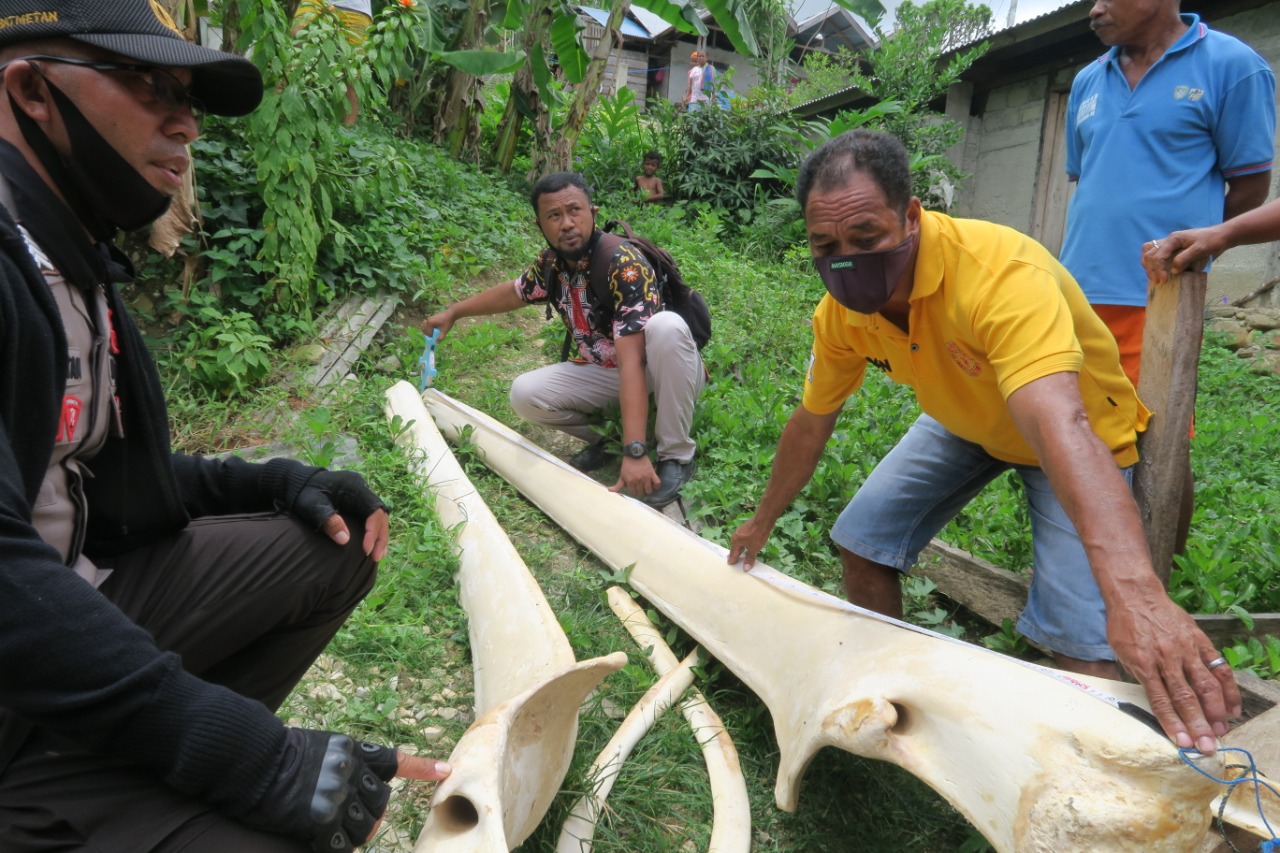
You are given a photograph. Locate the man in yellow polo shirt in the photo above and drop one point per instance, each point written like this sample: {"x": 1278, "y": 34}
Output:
{"x": 1012, "y": 370}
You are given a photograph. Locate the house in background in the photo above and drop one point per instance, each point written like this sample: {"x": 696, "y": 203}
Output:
{"x": 1012, "y": 103}
{"x": 654, "y": 60}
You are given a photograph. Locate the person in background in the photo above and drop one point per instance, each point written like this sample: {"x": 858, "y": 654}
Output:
{"x": 695, "y": 95}
{"x": 157, "y": 608}
{"x": 1177, "y": 122}
{"x": 648, "y": 183}
{"x": 626, "y": 348}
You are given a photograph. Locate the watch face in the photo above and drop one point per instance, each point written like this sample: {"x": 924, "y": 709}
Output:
{"x": 636, "y": 449}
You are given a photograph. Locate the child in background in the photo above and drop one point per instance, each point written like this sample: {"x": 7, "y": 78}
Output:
{"x": 649, "y": 184}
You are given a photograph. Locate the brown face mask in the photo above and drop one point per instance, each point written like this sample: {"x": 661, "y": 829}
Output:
{"x": 864, "y": 283}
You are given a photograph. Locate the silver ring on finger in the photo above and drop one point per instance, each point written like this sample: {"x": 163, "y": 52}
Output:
{"x": 1155, "y": 243}
{"x": 1217, "y": 662}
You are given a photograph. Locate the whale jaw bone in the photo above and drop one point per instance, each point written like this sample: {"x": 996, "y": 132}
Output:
{"x": 982, "y": 730}
{"x": 508, "y": 766}
{"x": 498, "y": 802}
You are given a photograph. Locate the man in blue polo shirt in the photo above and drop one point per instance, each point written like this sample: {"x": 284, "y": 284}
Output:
{"x": 1158, "y": 128}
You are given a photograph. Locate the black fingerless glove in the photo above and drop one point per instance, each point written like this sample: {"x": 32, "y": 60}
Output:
{"x": 327, "y": 492}
{"x": 329, "y": 790}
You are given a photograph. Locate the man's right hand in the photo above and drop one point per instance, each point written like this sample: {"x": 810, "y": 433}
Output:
{"x": 747, "y": 542}
{"x": 1180, "y": 251}
{"x": 443, "y": 321}
{"x": 331, "y": 791}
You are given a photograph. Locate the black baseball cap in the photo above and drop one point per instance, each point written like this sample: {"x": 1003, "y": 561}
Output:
{"x": 141, "y": 30}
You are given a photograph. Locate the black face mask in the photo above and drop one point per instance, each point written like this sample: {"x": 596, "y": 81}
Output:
{"x": 864, "y": 283}
{"x": 104, "y": 191}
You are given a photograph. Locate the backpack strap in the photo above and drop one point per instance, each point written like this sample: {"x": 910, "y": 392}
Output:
{"x": 598, "y": 280}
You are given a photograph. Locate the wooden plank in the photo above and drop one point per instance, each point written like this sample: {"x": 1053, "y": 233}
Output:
{"x": 1170, "y": 359}
{"x": 984, "y": 589}
{"x": 348, "y": 335}
{"x": 995, "y": 594}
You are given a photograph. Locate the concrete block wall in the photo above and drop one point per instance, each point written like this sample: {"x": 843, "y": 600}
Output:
{"x": 1002, "y": 154}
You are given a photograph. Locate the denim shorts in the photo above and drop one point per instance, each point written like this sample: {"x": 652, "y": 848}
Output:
{"x": 924, "y": 482}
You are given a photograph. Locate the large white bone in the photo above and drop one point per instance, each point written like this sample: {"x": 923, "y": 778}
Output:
{"x": 1032, "y": 761}
{"x": 731, "y": 820}
{"x": 508, "y": 766}
{"x": 580, "y": 826}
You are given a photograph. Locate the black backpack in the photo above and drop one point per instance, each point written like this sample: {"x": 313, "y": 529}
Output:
{"x": 676, "y": 295}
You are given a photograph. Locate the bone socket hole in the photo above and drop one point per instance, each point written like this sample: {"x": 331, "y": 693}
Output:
{"x": 458, "y": 814}
{"x": 905, "y": 719}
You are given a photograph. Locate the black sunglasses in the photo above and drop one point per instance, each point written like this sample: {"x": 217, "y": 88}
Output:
{"x": 150, "y": 83}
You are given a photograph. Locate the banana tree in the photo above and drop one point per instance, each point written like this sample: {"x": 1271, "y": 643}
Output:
{"x": 527, "y": 99}
{"x": 560, "y": 155}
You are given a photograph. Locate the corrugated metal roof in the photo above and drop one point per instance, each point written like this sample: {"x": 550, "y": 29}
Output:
{"x": 630, "y": 29}
{"x": 651, "y": 22}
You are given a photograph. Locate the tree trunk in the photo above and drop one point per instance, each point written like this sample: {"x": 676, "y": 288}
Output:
{"x": 457, "y": 124}
{"x": 561, "y": 153}
{"x": 522, "y": 84}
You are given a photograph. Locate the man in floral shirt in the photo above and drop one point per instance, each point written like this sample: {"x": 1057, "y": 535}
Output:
{"x": 626, "y": 350}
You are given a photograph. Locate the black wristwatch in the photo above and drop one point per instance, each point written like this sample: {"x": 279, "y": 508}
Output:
{"x": 636, "y": 449}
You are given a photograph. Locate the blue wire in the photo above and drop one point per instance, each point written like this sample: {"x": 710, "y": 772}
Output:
{"x": 1271, "y": 846}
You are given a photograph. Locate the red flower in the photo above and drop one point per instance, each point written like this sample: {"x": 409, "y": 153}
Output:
{"x": 408, "y": 4}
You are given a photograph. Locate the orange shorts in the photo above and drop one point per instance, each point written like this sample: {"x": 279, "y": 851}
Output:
{"x": 1127, "y": 323}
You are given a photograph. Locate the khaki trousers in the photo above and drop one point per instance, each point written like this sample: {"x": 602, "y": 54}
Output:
{"x": 571, "y": 396}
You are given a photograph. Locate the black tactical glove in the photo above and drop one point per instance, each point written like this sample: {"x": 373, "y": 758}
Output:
{"x": 329, "y": 790}
{"x": 327, "y": 492}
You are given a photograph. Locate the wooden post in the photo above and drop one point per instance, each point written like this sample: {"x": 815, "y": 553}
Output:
{"x": 1170, "y": 358}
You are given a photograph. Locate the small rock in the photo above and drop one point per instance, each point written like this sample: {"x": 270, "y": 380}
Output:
{"x": 449, "y": 694}
{"x": 310, "y": 353}
{"x": 1268, "y": 340}
{"x": 324, "y": 690}
{"x": 431, "y": 734}
{"x": 390, "y": 364}
{"x": 1214, "y": 312}
{"x": 1248, "y": 352}
{"x": 1268, "y": 362}
{"x": 1263, "y": 320}
{"x": 447, "y": 713}
{"x": 1236, "y": 334}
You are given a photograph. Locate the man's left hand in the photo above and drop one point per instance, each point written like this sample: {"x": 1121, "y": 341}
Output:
{"x": 637, "y": 477}
{"x": 1162, "y": 647}
{"x": 329, "y": 493}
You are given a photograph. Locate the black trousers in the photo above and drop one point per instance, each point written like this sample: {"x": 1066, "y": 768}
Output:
{"x": 248, "y": 601}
